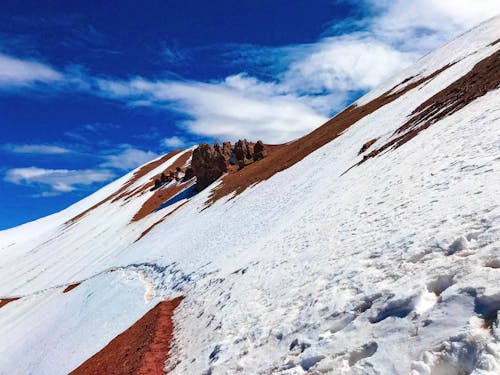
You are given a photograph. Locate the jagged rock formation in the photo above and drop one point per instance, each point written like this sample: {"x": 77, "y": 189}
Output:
{"x": 259, "y": 151}
{"x": 208, "y": 164}
{"x": 211, "y": 162}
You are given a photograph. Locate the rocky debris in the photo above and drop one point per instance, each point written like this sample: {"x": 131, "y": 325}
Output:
{"x": 188, "y": 174}
{"x": 211, "y": 162}
{"x": 165, "y": 178}
{"x": 367, "y": 145}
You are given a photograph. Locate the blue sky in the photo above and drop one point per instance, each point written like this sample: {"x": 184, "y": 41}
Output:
{"x": 89, "y": 91}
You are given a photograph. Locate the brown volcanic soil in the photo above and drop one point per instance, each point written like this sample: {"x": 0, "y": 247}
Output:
{"x": 5, "y": 301}
{"x": 161, "y": 196}
{"x": 142, "y": 349}
{"x": 70, "y": 287}
{"x": 484, "y": 77}
{"x": 121, "y": 192}
{"x": 287, "y": 155}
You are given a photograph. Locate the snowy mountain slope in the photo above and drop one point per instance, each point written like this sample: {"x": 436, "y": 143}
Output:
{"x": 390, "y": 266}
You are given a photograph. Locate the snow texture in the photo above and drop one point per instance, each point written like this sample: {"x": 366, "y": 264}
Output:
{"x": 390, "y": 268}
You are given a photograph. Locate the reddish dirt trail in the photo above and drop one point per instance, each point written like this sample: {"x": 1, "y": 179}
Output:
{"x": 142, "y": 349}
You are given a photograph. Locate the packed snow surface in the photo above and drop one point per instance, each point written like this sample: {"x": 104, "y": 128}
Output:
{"x": 390, "y": 268}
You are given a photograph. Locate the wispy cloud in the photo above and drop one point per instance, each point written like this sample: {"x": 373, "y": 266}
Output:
{"x": 57, "y": 181}
{"x": 18, "y": 72}
{"x": 36, "y": 149}
{"x": 174, "y": 55}
{"x": 301, "y": 87}
{"x": 173, "y": 142}
{"x": 239, "y": 106}
{"x": 342, "y": 64}
{"x": 128, "y": 158}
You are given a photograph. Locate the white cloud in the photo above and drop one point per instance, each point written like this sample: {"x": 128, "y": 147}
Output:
{"x": 238, "y": 107}
{"x": 347, "y": 63}
{"x": 315, "y": 80}
{"x": 173, "y": 142}
{"x": 59, "y": 180}
{"x": 307, "y": 82}
{"x": 128, "y": 158}
{"x": 420, "y": 25}
{"x": 35, "y": 149}
{"x": 17, "y": 72}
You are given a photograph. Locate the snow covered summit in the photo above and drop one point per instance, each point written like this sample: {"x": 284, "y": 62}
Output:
{"x": 369, "y": 246}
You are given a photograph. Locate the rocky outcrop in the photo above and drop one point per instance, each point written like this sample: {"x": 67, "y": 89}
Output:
{"x": 211, "y": 162}
{"x": 208, "y": 164}
{"x": 259, "y": 151}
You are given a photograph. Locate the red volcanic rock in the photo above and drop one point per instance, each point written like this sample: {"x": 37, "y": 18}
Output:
{"x": 227, "y": 150}
{"x": 208, "y": 165}
{"x": 243, "y": 151}
{"x": 259, "y": 151}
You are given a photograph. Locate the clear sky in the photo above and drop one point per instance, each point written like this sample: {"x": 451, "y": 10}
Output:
{"x": 90, "y": 90}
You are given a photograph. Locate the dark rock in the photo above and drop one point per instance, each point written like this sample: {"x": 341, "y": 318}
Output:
{"x": 259, "y": 151}
{"x": 367, "y": 145}
{"x": 188, "y": 174}
{"x": 227, "y": 150}
{"x": 208, "y": 165}
{"x": 243, "y": 150}
{"x": 243, "y": 153}
{"x": 164, "y": 178}
{"x": 157, "y": 184}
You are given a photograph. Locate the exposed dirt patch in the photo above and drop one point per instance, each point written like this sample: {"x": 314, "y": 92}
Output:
{"x": 141, "y": 350}
{"x": 367, "y": 145}
{"x": 284, "y": 156}
{"x": 122, "y": 192}
{"x": 161, "y": 196}
{"x": 484, "y": 77}
{"x": 5, "y": 301}
{"x": 159, "y": 221}
{"x": 70, "y": 287}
